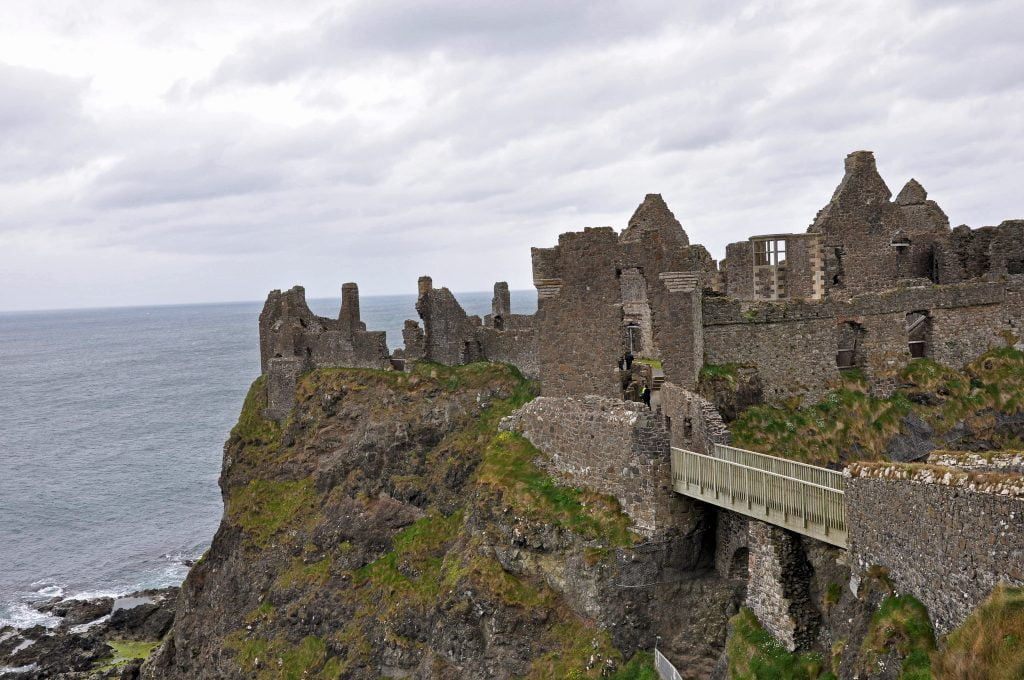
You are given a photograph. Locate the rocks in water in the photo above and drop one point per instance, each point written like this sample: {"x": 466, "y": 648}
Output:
{"x": 78, "y": 646}
{"x": 77, "y": 612}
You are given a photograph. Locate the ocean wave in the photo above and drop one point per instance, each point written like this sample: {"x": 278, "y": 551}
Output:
{"x": 48, "y": 589}
{"x": 171, "y": 570}
{"x": 22, "y": 615}
{"x": 98, "y": 594}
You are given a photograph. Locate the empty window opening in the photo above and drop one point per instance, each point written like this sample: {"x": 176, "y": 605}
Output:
{"x": 919, "y": 331}
{"x": 837, "y": 280}
{"x": 850, "y": 345}
{"x": 634, "y": 339}
{"x": 688, "y": 427}
{"x": 933, "y": 266}
{"x": 499, "y": 322}
{"x": 739, "y": 565}
{"x": 309, "y": 351}
{"x": 769, "y": 252}
{"x": 1015, "y": 266}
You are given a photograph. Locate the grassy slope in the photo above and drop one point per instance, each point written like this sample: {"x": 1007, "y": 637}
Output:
{"x": 989, "y": 645}
{"x": 901, "y": 625}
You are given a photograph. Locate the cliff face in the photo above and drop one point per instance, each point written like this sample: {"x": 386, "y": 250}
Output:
{"x": 388, "y": 529}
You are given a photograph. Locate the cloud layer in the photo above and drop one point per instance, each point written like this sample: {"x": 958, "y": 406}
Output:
{"x": 214, "y": 150}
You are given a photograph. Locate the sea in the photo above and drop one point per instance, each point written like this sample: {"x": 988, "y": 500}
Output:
{"x": 112, "y": 423}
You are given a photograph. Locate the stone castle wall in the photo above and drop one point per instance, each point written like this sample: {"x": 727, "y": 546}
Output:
{"x": 613, "y": 447}
{"x": 943, "y": 543}
{"x": 693, "y": 423}
{"x": 450, "y": 336}
{"x": 596, "y": 284}
{"x": 778, "y": 585}
{"x": 289, "y": 329}
{"x": 793, "y": 345}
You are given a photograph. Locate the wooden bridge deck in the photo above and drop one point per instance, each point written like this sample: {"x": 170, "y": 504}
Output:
{"x": 803, "y": 498}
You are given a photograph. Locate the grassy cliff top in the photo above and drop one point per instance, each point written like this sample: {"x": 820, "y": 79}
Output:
{"x": 931, "y": 402}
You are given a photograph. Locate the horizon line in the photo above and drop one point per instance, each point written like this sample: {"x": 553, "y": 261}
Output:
{"x": 44, "y": 310}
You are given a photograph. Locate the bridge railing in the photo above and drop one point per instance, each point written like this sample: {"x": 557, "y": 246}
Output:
{"x": 666, "y": 671}
{"x": 806, "y": 507}
{"x": 832, "y": 479}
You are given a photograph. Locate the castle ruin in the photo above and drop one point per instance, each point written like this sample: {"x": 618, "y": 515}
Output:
{"x": 872, "y": 284}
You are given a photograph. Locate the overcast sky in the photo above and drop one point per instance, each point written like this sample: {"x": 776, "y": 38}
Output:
{"x": 205, "y": 150}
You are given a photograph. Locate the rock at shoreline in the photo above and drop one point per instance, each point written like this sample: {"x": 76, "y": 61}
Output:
{"x": 77, "y": 612}
{"x": 75, "y": 650}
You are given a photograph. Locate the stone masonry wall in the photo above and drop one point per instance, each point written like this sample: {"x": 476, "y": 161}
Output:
{"x": 943, "y": 543}
{"x": 282, "y": 378}
{"x": 794, "y": 344}
{"x": 580, "y": 317}
{"x": 293, "y": 339}
{"x": 777, "y": 591}
{"x": 732, "y": 545}
{"x": 613, "y": 447}
{"x": 289, "y": 329}
{"x": 692, "y": 421}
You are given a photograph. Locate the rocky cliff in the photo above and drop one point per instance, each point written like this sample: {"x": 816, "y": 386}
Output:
{"x": 387, "y": 528}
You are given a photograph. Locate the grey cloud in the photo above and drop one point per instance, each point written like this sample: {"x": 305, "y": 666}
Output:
{"x": 514, "y": 135}
{"x": 478, "y": 28}
{"x": 155, "y": 179}
{"x": 42, "y": 127}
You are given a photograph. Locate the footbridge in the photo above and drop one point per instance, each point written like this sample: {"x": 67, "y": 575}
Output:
{"x": 803, "y": 498}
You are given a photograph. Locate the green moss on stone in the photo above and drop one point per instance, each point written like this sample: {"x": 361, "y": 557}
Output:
{"x": 264, "y": 507}
{"x": 509, "y": 466}
{"x": 252, "y": 427}
{"x": 128, "y": 650}
{"x": 279, "y": 659}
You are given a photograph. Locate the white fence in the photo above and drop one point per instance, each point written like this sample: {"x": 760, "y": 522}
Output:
{"x": 666, "y": 671}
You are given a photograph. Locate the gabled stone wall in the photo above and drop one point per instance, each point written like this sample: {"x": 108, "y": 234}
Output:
{"x": 596, "y": 283}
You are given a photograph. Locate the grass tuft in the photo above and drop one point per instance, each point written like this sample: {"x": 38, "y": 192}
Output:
{"x": 989, "y": 645}
{"x": 264, "y": 507}
{"x": 509, "y": 466}
{"x": 901, "y": 625}
{"x": 850, "y": 424}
